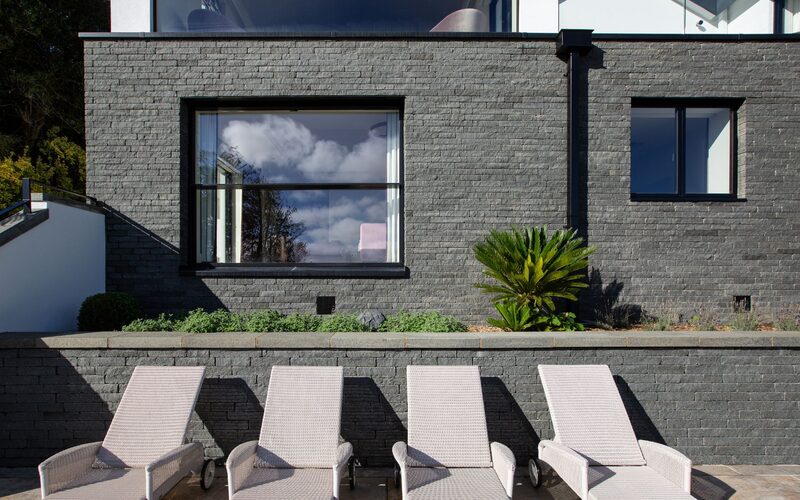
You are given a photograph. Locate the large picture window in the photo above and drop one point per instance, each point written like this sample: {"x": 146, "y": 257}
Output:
{"x": 683, "y": 150}
{"x": 293, "y": 187}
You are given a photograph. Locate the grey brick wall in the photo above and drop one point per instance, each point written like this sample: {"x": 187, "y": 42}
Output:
{"x": 485, "y": 147}
{"x": 729, "y": 406}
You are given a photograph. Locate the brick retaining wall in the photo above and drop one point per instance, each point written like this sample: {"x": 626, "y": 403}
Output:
{"x": 730, "y": 405}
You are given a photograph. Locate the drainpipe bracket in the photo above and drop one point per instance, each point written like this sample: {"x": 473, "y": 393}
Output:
{"x": 570, "y": 41}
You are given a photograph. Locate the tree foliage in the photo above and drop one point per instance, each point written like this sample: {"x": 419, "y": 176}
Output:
{"x": 41, "y": 90}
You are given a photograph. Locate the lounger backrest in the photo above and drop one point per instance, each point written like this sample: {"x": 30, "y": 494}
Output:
{"x": 446, "y": 418}
{"x": 302, "y": 417}
{"x": 588, "y": 414}
{"x": 152, "y": 416}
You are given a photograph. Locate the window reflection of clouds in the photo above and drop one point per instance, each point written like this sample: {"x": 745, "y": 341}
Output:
{"x": 333, "y": 222}
{"x": 285, "y": 149}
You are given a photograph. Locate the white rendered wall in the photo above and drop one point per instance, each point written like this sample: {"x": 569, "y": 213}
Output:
{"x": 129, "y": 16}
{"x": 48, "y": 271}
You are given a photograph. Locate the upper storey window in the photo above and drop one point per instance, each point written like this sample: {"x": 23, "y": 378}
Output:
{"x": 342, "y": 16}
{"x": 675, "y": 17}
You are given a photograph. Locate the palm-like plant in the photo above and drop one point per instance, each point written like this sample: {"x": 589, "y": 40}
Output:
{"x": 532, "y": 267}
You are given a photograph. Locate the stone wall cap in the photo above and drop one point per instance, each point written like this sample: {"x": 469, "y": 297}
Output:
{"x": 377, "y": 340}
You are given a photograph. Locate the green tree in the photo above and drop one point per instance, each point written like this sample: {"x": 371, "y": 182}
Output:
{"x": 41, "y": 88}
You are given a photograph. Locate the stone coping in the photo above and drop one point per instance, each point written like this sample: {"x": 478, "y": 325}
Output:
{"x": 467, "y": 340}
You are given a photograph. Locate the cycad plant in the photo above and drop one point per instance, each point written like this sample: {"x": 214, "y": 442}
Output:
{"x": 533, "y": 268}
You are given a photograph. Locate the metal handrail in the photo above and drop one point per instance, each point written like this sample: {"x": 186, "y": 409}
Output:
{"x": 27, "y": 198}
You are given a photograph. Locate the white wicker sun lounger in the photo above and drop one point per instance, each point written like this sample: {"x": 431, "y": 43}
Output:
{"x": 144, "y": 453}
{"x": 448, "y": 455}
{"x": 298, "y": 454}
{"x": 595, "y": 450}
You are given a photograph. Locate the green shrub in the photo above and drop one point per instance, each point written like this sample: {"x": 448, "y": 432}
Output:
{"x": 532, "y": 267}
{"x": 296, "y": 322}
{"x": 421, "y": 322}
{"x": 788, "y": 324}
{"x": 107, "y": 311}
{"x": 659, "y": 323}
{"x": 703, "y": 322}
{"x": 200, "y": 321}
{"x": 745, "y": 321}
{"x": 513, "y": 317}
{"x": 263, "y": 321}
{"x": 564, "y": 322}
{"x": 342, "y": 323}
{"x": 161, "y": 323}
{"x": 517, "y": 318}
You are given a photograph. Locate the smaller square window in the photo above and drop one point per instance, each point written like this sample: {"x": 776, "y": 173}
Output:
{"x": 683, "y": 149}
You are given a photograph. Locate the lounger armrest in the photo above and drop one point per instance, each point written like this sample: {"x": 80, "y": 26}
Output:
{"x": 504, "y": 465}
{"x": 668, "y": 462}
{"x": 570, "y": 466}
{"x": 400, "y": 452}
{"x": 162, "y": 474}
{"x": 66, "y": 466}
{"x": 343, "y": 454}
{"x": 239, "y": 465}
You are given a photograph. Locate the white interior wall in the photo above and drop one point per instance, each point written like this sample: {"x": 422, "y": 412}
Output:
{"x": 622, "y": 16}
{"x": 131, "y": 16}
{"x": 719, "y": 152}
{"x": 651, "y": 16}
{"x": 49, "y": 270}
{"x": 538, "y": 16}
{"x": 791, "y": 16}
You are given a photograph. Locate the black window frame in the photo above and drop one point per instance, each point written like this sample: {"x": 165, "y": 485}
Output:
{"x": 681, "y": 105}
{"x": 376, "y": 270}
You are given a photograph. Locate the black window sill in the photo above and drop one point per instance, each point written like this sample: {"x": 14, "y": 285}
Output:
{"x": 388, "y": 271}
{"x": 725, "y": 198}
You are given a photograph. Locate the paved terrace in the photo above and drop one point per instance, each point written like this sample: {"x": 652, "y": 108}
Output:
{"x": 711, "y": 482}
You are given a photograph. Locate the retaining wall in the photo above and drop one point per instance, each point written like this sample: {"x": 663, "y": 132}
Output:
{"x": 717, "y": 397}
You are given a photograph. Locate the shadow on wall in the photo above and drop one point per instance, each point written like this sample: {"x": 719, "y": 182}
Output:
{"x": 143, "y": 264}
{"x": 231, "y": 412}
{"x": 600, "y": 303}
{"x": 643, "y": 426}
{"x": 47, "y": 405}
{"x": 505, "y": 420}
{"x": 370, "y": 422}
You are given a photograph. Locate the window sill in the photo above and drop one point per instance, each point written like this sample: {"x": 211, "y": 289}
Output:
{"x": 727, "y": 198}
{"x": 387, "y": 271}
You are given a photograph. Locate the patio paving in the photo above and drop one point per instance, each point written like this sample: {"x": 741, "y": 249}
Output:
{"x": 710, "y": 482}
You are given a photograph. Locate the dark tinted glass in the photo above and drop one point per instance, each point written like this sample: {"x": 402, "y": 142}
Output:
{"x": 333, "y": 15}
{"x": 653, "y": 151}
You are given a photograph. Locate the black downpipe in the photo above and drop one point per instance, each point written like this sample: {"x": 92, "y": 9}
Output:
{"x": 572, "y": 47}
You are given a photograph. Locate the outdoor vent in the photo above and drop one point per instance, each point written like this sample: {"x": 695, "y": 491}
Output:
{"x": 741, "y": 303}
{"x": 326, "y": 304}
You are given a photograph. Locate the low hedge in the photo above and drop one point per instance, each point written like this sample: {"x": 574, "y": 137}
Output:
{"x": 201, "y": 321}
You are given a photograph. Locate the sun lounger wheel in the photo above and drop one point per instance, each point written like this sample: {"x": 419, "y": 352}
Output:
{"x": 535, "y": 472}
{"x": 351, "y": 469}
{"x": 207, "y": 474}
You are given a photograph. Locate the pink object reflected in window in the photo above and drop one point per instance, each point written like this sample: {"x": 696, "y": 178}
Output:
{"x": 372, "y": 244}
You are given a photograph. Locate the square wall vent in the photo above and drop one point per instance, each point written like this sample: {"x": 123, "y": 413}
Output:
{"x": 326, "y": 304}
{"x": 742, "y": 303}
